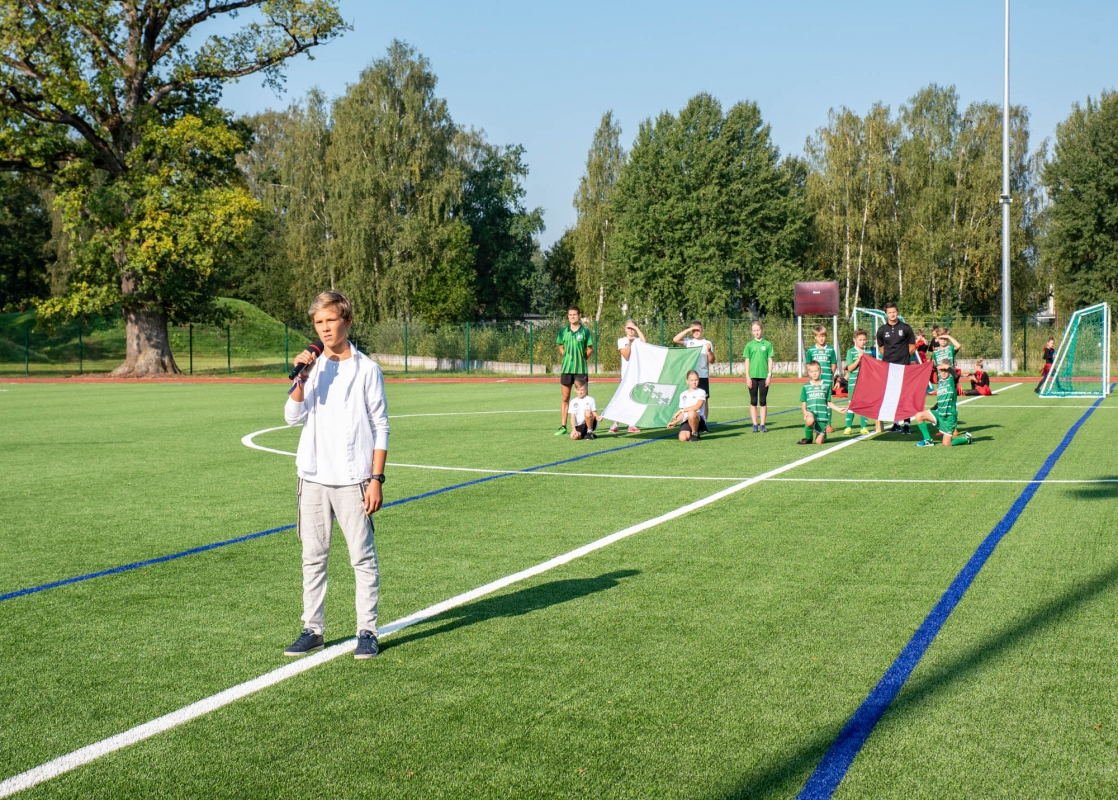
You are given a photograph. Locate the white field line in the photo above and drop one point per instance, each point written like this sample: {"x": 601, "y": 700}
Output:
{"x": 89, "y": 753}
{"x": 1046, "y": 408}
{"x": 938, "y": 480}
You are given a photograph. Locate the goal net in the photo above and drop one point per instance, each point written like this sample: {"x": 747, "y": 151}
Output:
{"x": 1082, "y": 364}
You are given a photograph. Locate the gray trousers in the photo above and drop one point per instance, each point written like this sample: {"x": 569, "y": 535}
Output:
{"x": 318, "y": 505}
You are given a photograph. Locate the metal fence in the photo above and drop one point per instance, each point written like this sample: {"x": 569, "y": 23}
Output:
{"x": 523, "y": 347}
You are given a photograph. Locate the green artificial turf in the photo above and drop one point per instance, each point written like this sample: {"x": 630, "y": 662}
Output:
{"x": 716, "y": 655}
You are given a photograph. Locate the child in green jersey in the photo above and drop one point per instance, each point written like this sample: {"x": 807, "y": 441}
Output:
{"x": 945, "y": 415}
{"x": 824, "y": 355}
{"x": 815, "y": 400}
{"x": 758, "y": 355}
{"x": 854, "y": 358}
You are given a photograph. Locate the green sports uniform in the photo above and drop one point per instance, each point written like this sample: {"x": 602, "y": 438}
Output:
{"x": 946, "y": 412}
{"x": 574, "y": 349}
{"x": 852, "y": 379}
{"x": 944, "y": 354}
{"x": 817, "y": 397}
{"x": 827, "y": 359}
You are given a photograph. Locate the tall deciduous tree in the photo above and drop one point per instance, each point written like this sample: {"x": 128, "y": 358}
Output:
{"x": 25, "y": 229}
{"x": 709, "y": 219}
{"x": 596, "y": 275}
{"x": 1082, "y": 181}
{"x": 113, "y": 103}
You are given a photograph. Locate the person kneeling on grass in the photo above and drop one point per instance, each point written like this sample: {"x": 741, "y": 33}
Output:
{"x": 584, "y": 412}
{"x": 691, "y": 416}
{"x": 944, "y": 415}
{"x": 815, "y": 400}
{"x": 979, "y": 381}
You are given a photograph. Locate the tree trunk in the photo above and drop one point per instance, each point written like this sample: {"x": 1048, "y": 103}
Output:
{"x": 148, "y": 346}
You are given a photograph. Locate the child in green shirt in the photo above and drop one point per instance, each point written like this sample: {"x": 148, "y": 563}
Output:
{"x": 758, "y": 355}
{"x": 815, "y": 400}
{"x": 854, "y": 358}
{"x": 946, "y": 415}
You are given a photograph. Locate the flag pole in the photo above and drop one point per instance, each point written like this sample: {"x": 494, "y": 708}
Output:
{"x": 1007, "y": 361}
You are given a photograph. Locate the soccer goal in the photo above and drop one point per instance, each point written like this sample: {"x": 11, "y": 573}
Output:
{"x": 870, "y": 319}
{"x": 1082, "y": 365}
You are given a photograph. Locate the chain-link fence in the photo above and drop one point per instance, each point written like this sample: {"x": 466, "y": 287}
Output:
{"x": 264, "y": 347}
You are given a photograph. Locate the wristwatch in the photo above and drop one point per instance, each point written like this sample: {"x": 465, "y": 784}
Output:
{"x": 378, "y": 478}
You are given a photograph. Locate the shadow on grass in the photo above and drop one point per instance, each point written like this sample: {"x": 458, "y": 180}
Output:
{"x": 1098, "y": 491}
{"x": 516, "y": 604}
{"x": 785, "y": 776}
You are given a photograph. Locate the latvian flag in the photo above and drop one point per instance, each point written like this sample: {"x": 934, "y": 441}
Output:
{"x": 649, "y": 392}
{"x": 890, "y": 392}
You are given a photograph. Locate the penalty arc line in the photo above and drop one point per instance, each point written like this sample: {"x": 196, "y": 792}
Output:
{"x": 89, "y": 753}
{"x": 836, "y": 762}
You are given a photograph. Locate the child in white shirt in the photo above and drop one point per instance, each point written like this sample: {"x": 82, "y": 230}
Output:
{"x": 691, "y": 416}
{"x": 584, "y": 413}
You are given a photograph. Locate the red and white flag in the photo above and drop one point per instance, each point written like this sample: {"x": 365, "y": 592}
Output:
{"x": 890, "y": 391}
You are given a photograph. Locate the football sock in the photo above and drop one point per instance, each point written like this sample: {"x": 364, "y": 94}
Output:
{"x": 958, "y": 440}
{"x": 923, "y": 426}
{"x": 850, "y": 420}
{"x": 808, "y": 433}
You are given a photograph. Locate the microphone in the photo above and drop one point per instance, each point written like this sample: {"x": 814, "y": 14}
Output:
{"x": 313, "y": 347}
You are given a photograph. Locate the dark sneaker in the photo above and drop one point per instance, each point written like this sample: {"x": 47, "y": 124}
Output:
{"x": 895, "y": 429}
{"x": 694, "y": 437}
{"x": 803, "y": 441}
{"x": 755, "y": 429}
{"x": 764, "y": 429}
{"x": 367, "y": 645}
{"x": 590, "y": 435}
{"x": 308, "y": 642}
{"x": 906, "y": 430}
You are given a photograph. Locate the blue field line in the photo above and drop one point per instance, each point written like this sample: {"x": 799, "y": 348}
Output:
{"x": 842, "y": 752}
{"x": 215, "y": 545}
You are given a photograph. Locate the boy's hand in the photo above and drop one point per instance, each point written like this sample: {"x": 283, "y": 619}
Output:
{"x": 373, "y": 497}
{"x": 305, "y": 357}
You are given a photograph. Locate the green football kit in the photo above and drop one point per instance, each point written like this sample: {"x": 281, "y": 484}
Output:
{"x": 944, "y": 354}
{"x": 827, "y": 359}
{"x": 852, "y": 379}
{"x": 574, "y": 349}
{"x": 817, "y": 396}
{"x": 946, "y": 411}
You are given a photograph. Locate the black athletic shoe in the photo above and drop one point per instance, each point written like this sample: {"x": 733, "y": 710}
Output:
{"x": 308, "y": 642}
{"x": 906, "y": 430}
{"x": 896, "y": 428}
{"x": 367, "y": 645}
{"x": 803, "y": 441}
{"x": 590, "y": 435}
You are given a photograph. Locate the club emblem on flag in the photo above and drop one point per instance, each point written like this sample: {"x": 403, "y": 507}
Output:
{"x": 649, "y": 392}
{"x": 653, "y": 394}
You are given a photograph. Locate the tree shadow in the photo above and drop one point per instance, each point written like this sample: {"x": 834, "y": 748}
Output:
{"x": 1097, "y": 491}
{"x": 784, "y": 776}
{"x": 516, "y": 604}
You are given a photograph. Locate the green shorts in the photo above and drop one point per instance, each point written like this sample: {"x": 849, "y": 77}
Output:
{"x": 821, "y": 424}
{"x": 947, "y": 423}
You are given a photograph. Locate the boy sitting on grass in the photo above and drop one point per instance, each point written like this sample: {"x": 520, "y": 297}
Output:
{"x": 584, "y": 412}
{"x": 944, "y": 415}
{"x": 691, "y": 410}
{"x": 815, "y": 400}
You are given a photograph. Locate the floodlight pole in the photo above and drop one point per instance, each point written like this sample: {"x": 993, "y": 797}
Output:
{"x": 1007, "y": 355}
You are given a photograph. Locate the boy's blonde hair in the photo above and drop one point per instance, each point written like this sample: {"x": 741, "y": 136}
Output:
{"x": 860, "y": 332}
{"x": 691, "y": 372}
{"x": 579, "y": 383}
{"x": 815, "y": 364}
{"x": 338, "y": 300}
{"x": 819, "y": 329}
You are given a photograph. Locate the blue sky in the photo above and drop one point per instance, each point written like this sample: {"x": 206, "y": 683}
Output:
{"x": 542, "y": 74}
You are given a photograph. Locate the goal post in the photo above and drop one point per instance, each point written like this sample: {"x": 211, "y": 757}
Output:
{"x": 1082, "y": 364}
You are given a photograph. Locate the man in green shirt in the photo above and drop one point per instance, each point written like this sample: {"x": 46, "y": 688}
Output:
{"x": 945, "y": 416}
{"x": 758, "y": 355}
{"x": 575, "y": 346}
